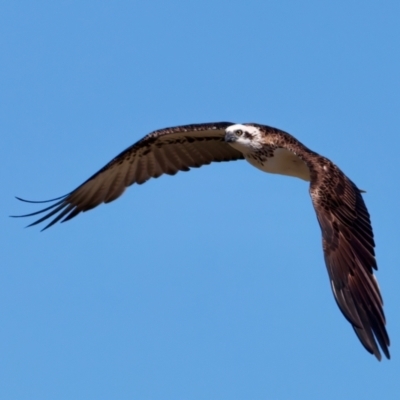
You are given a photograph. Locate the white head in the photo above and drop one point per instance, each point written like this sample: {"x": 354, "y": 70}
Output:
{"x": 243, "y": 137}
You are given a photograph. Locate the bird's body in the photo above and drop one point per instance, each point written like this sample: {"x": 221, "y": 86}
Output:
{"x": 347, "y": 235}
{"x": 270, "y": 155}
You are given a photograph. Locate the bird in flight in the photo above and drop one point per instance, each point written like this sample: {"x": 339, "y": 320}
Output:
{"x": 347, "y": 237}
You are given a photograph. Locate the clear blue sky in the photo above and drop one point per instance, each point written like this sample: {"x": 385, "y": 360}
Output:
{"x": 209, "y": 284}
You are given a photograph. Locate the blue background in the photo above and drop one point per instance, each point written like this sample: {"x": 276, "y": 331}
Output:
{"x": 209, "y": 284}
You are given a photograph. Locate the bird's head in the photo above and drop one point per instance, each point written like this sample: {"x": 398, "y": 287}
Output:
{"x": 243, "y": 137}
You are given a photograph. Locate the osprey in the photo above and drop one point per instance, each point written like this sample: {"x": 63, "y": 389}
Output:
{"x": 347, "y": 236}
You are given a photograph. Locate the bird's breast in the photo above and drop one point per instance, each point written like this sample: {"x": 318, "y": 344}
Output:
{"x": 279, "y": 161}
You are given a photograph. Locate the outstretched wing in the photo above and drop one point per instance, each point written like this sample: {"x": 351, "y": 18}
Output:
{"x": 164, "y": 151}
{"x": 348, "y": 244}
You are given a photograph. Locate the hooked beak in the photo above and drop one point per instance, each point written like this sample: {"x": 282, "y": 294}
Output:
{"x": 230, "y": 137}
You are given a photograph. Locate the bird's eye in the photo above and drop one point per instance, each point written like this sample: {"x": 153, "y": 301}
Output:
{"x": 239, "y": 132}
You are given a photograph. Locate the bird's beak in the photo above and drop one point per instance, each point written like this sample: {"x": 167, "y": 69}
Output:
{"x": 229, "y": 137}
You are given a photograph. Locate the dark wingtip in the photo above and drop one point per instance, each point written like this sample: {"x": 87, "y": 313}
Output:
{"x": 386, "y": 352}
{"x": 40, "y": 201}
{"x": 60, "y": 205}
{"x": 40, "y": 211}
{"x": 378, "y": 355}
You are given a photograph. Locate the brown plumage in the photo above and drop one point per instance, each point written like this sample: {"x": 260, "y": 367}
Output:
{"x": 347, "y": 236}
{"x": 165, "y": 151}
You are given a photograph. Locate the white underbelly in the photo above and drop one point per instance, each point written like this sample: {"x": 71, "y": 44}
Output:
{"x": 284, "y": 163}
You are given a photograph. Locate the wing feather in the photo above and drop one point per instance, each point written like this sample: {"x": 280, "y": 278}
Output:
{"x": 187, "y": 159}
{"x": 348, "y": 244}
{"x": 165, "y": 151}
{"x": 159, "y": 162}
